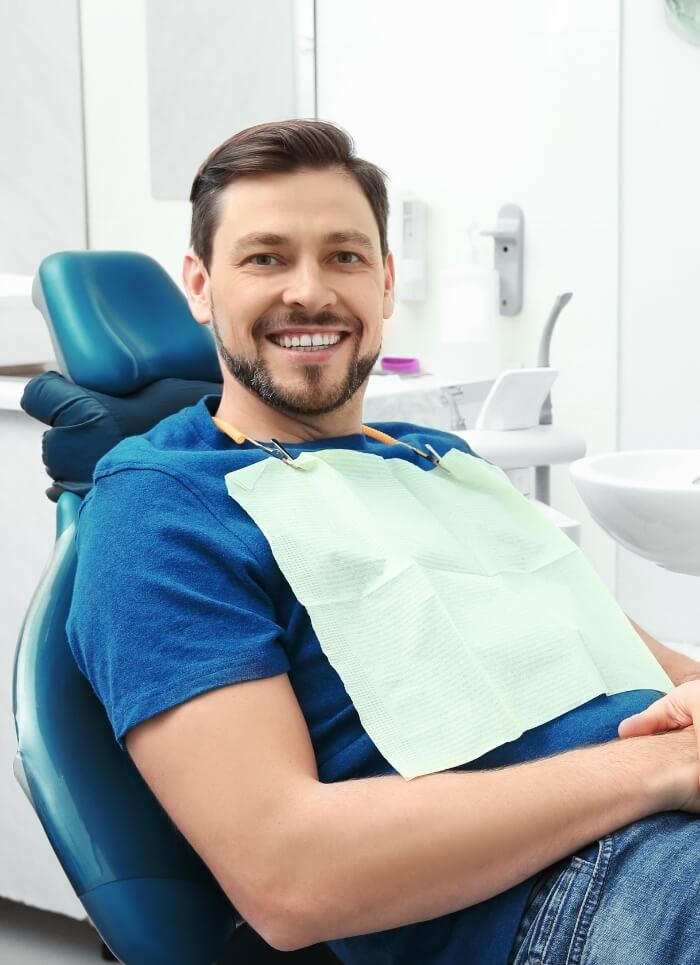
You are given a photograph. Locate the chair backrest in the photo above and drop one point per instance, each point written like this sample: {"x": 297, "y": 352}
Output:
{"x": 150, "y": 896}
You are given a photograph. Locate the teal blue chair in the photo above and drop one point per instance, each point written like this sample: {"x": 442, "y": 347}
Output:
{"x": 130, "y": 353}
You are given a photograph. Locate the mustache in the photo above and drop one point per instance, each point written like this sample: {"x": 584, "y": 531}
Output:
{"x": 297, "y": 318}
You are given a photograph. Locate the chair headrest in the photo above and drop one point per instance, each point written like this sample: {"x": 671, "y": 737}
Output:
{"x": 118, "y": 322}
{"x": 86, "y": 424}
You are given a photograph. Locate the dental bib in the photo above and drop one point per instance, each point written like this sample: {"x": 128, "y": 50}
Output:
{"x": 456, "y": 615}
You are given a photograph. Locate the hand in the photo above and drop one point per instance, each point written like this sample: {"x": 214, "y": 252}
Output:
{"x": 678, "y": 762}
{"x": 674, "y": 711}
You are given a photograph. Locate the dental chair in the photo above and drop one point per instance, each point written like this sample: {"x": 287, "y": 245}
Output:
{"x": 130, "y": 353}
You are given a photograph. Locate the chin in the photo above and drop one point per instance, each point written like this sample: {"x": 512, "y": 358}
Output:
{"x": 313, "y": 402}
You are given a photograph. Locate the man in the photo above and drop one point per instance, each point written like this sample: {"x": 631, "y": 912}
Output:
{"x": 214, "y": 678}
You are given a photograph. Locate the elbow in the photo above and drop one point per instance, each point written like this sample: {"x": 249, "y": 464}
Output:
{"x": 284, "y": 892}
{"x": 285, "y": 924}
{"x": 305, "y": 916}
{"x": 276, "y": 909}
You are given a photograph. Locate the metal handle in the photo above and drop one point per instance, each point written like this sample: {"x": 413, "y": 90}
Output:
{"x": 508, "y": 257}
{"x": 507, "y": 229}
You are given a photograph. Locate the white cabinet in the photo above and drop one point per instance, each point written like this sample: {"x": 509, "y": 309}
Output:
{"x": 29, "y": 870}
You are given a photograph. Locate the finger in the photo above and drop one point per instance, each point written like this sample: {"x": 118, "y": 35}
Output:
{"x": 660, "y": 716}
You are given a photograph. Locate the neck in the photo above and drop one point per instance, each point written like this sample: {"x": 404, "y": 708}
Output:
{"x": 257, "y": 420}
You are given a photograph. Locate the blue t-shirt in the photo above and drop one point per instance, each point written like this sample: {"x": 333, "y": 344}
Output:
{"x": 177, "y": 592}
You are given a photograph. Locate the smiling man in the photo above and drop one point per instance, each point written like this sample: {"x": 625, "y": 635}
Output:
{"x": 234, "y": 703}
{"x": 296, "y": 283}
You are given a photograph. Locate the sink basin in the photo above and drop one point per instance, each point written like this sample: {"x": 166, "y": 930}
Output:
{"x": 645, "y": 499}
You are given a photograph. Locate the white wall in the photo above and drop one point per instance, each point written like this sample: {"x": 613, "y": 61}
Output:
{"x": 42, "y": 205}
{"x": 660, "y": 299}
{"x": 122, "y": 211}
{"x": 472, "y": 105}
{"x": 206, "y": 79}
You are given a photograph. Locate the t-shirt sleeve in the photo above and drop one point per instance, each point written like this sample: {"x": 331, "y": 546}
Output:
{"x": 168, "y": 602}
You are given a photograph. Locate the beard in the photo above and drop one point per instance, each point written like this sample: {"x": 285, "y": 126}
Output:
{"x": 312, "y": 398}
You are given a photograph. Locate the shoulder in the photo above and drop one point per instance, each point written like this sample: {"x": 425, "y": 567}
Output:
{"x": 144, "y": 502}
{"x": 177, "y": 468}
{"x": 161, "y": 448}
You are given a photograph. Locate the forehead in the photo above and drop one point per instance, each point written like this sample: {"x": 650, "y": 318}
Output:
{"x": 297, "y": 204}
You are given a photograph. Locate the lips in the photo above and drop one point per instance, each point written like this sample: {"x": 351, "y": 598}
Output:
{"x": 298, "y": 323}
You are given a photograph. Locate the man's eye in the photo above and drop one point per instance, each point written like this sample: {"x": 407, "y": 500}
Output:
{"x": 263, "y": 264}
{"x": 344, "y": 255}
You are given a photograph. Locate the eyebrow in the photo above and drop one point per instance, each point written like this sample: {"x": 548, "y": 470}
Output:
{"x": 266, "y": 239}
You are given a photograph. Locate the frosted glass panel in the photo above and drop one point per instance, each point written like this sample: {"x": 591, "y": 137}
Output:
{"x": 216, "y": 68}
{"x": 42, "y": 190}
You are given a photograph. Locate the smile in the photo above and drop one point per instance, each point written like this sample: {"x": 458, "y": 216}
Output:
{"x": 303, "y": 342}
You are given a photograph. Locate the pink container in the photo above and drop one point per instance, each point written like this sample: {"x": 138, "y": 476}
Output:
{"x": 402, "y": 366}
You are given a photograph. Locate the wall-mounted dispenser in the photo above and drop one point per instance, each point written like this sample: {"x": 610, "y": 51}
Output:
{"x": 411, "y": 270}
{"x": 508, "y": 257}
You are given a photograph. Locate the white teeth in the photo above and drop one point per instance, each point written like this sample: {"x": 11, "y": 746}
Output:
{"x": 306, "y": 343}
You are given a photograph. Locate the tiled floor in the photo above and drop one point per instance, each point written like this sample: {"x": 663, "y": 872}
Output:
{"x": 32, "y": 937}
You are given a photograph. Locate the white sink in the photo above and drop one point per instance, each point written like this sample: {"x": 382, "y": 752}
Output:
{"x": 646, "y": 500}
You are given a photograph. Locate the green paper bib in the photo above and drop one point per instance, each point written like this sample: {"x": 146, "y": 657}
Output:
{"x": 456, "y": 615}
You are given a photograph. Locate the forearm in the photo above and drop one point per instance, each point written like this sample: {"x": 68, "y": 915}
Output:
{"x": 384, "y": 852}
{"x": 678, "y": 666}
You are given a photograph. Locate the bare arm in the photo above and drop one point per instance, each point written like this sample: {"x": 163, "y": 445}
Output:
{"x": 677, "y": 665}
{"x": 398, "y": 852}
{"x": 305, "y": 861}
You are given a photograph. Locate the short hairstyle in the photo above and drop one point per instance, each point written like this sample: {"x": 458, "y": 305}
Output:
{"x": 281, "y": 146}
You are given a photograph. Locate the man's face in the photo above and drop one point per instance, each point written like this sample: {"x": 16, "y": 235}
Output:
{"x": 297, "y": 288}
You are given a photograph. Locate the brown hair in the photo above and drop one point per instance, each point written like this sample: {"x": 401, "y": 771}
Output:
{"x": 282, "y": 146}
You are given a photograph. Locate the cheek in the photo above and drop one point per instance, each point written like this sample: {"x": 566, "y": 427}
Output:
{"x": 373, "y": 322}
{"x": 368, "y": 306}
{"x": 248, "y": 304}
{"x": 240, "y": 308}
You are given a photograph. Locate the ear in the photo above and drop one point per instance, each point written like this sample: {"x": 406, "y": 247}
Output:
{"x": 197, "y": 284}
{"x": 389, "y": 283}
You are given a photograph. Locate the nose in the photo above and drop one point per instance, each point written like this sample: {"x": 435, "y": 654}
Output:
{"x": 308, "y": 288}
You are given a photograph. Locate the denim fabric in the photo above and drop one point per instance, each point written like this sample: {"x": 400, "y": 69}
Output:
{"x": 631, "y": 898}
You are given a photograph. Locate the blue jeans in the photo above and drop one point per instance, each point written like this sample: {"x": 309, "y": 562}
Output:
{"x": 631, "y": 898}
